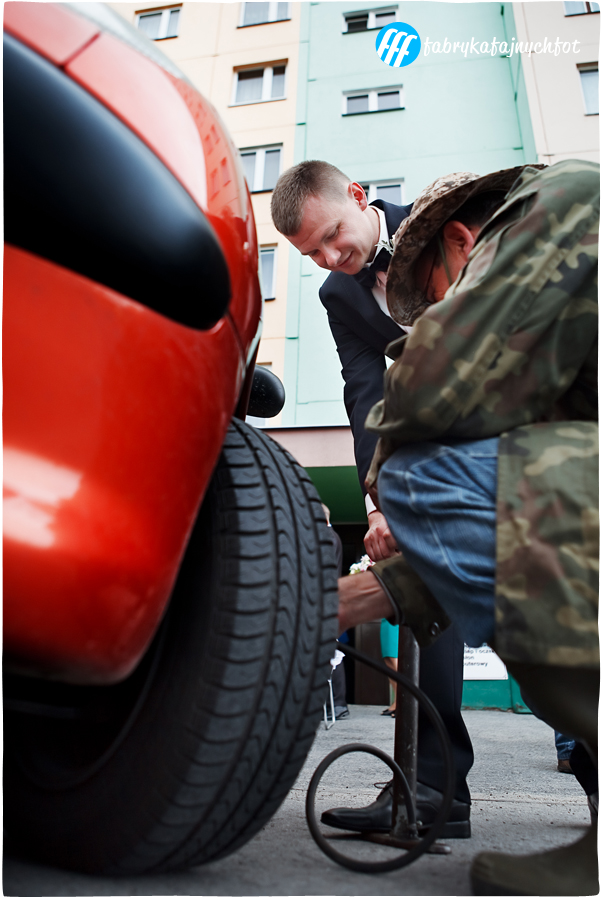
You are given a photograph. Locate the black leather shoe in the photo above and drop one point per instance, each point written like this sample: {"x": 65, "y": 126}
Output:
{"x": 378, "y": 815}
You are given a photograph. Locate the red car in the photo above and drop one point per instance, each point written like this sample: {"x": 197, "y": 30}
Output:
{"x": 169, "y": 583}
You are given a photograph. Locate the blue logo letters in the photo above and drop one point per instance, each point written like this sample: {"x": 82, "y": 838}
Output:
{"x": 398, "y": 44}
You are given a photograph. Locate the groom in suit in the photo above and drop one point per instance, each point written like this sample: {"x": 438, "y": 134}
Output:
{"x": 328, "y": 218}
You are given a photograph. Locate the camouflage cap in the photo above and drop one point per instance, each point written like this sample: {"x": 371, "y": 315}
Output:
{"x": 432, "y": 208}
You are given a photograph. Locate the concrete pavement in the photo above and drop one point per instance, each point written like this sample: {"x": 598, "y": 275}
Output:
{"x": 521, "y": 804}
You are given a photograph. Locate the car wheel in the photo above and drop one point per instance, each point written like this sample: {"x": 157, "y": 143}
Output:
{"x": 186, "y": 760}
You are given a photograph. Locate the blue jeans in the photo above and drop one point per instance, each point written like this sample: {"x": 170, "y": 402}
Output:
{"x": 564, "y": 745}
{"x": 440, "y": 502}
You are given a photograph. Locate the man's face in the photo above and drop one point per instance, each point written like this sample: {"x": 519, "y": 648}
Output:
{"x": 430, "y": 276}
{"x": 339, "y": 235}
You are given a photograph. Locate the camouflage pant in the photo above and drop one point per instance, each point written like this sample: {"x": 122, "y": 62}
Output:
{"x": 548, "y": 545}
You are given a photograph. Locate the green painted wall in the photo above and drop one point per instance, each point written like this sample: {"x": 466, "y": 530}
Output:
{"x": 460, "y": 114}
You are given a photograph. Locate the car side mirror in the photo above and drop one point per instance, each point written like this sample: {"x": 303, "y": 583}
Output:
{"x": 267, "y": 394}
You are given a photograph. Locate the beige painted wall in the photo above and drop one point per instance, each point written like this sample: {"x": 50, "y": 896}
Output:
{"x": 209, "y": 47}
{"x": 321, "y": 446}
{"x": 562, "y": 129}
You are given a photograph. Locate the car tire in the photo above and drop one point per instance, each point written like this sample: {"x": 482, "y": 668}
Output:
{"x": 189, "y": 757}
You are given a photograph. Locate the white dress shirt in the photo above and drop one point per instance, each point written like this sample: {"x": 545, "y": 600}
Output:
{"x": 379, "y": 292}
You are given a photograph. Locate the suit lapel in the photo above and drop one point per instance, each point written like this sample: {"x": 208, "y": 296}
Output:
{"x": 369, "y": 310}
{"x": 365, "y": 302}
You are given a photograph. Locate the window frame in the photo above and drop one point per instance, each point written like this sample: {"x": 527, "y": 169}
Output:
{"x": 266, "y": 82}
{"x": 582, "y": 68}
{"x": 585, "y": 12}
{"x": 261, "y": 167}
{"x": 373, "y": 186}
{"x": 165, "y": 11}
{"x": 273, "y": 8}
{"x": 371, "y": 13}
{"x": 264, "y": 249}
{"x": 373, "y": 94}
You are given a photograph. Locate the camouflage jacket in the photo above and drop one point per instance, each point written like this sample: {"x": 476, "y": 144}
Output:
{"x": 512, "y": 351}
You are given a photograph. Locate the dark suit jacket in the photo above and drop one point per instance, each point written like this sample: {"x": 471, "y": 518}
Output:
{"x": 361, "y": 331}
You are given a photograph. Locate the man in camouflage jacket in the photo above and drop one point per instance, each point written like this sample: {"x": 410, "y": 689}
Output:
{"x": 512, "y": 351}
{"x": 506, "y": 362}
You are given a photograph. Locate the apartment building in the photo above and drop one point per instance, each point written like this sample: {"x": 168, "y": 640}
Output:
{"x": 393, "y": 130}
{"x": 297, "y": 81}
{"x": 563, "y": 85}
{"x": 244, "y": 57}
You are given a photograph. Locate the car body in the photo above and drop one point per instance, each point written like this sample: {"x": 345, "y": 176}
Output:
{"x": 117, "y": 392}
{"x": 169, "y": 578}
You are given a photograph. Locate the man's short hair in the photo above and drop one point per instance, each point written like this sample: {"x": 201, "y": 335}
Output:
{"x": 479, "y": 209}
{"x": 314, "y": 177}
{"x": 475, "y": 212}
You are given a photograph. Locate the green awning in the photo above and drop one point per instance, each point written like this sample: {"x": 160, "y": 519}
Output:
{"x": 339, "y": 489}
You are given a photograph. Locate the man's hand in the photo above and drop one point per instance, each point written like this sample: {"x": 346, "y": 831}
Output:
{"x": 361, "y": 599}
{"x": 378, "y": 541}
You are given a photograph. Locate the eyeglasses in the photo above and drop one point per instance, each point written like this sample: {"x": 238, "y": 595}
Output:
{"x": 424, "y": 284}
{"x": 421, "y": 283}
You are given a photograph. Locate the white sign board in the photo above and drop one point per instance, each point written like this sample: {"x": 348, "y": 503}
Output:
{"x": 482, "y": 664}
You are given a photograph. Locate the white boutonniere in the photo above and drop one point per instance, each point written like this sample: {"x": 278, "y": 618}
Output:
{"x": 362, "y": 566}
{"x": 384, "y": 245}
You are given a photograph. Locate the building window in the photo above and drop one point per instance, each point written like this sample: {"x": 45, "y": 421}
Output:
{"x": 256, "y": 13}
{"x": 588, "y": 72}
{"x": 580, "y": 8}
{"x": 391, "y": 191}
{"x": 267, "y": 272}
{"x": 158, "y": 24}
{"x": 366, "y": 21}
{"x": 258, "y": 85}
{"x": 377, "y": 100}
{"x": 261, "y": 166}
